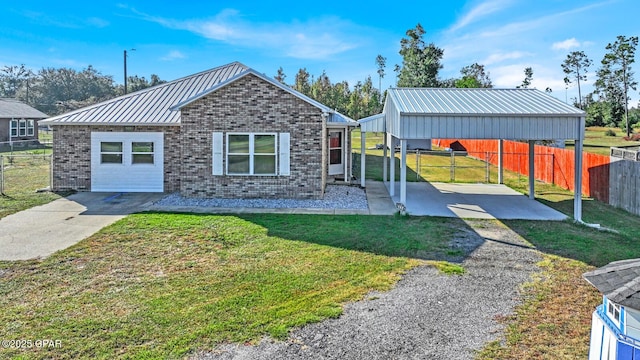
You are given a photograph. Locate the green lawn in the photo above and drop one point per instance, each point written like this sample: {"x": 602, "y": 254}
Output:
{"x": 159, "y": 285}
{"x": 24, "y": 173}
{"x": 595, "y": 140}
{"x": 163, "y": 285}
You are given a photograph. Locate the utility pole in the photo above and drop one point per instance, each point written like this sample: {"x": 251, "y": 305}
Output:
{"x": 125, "y": 70}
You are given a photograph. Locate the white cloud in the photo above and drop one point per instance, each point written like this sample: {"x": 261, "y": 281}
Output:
{"x": 173, "y": 55}
{"x": 97, "y": 22}
{"x": 485, "y": 8}
{"x": 500, "y": 57}
{"x": 566, "y": 44}
{"x": 315, "y": 39}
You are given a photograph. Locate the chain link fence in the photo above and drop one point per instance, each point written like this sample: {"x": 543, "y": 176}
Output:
{"x": 24, "y": 173}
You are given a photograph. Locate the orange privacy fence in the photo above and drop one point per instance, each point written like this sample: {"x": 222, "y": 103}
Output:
{"x": 553, "y": 165}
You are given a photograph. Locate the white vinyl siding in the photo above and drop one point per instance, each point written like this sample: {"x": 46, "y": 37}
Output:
{"x": 141, "y": 165}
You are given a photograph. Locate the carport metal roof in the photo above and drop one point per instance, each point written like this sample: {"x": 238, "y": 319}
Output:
{"x": 449, "y": 113}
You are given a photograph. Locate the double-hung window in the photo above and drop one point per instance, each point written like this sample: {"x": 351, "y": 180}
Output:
{"x": 22, "y": 127}
{"x": 251, "y": 154}
{"x": 14, "y": 128}
{"x": 110, "y": 152}
{"x": 142, "y": 152}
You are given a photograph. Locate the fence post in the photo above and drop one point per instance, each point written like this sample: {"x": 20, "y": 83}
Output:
{"x": 1, "y": 175}
{"x": 452, "y": 172}
{"x": 417, "y": 164}
{"x": 51, "y": 172}
{"x": 486, "y": 159}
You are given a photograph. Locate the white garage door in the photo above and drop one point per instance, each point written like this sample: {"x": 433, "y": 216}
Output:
{"x": 127, "y": 161}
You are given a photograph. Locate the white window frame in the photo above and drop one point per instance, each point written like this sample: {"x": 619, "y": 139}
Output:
{"x": 152, "y": 153}
{"x": 121, "y": 153}
{"x": 30, "y": 127}
{"x": 14, "y": 128}
{"x": 612, "y": 309}
{"x": 21, "y": 128}
{"x": 252, "y": 153}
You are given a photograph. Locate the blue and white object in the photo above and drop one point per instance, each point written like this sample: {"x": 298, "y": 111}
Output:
{"x": 615, "y": 327}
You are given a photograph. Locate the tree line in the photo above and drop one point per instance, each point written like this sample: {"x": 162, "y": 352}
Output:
{"x": 55, "y": 91}
{"x": 58, "y": 90}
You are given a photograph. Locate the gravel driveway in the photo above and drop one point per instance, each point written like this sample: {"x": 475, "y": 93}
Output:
{"x": 426, "y": 316}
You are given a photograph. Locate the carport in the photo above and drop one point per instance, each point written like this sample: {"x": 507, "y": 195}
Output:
{"x": 448, "y": 113}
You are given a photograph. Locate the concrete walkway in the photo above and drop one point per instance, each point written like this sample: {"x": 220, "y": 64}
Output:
{"x": 42, "y": 230}
{"x": 473, "y": 201}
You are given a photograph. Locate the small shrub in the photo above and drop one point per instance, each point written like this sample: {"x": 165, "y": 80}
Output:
{"x": 609, "y": 132}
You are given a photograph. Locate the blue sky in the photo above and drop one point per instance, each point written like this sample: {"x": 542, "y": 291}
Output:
{"x": 343, "y": 38}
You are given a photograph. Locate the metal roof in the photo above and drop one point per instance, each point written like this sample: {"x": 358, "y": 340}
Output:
{"x": 619, "y": 281}
{"x": 373, "y": 123}
{"x": 160, "y": 105}
{"x": 12, "y": 108}
{"x": 334, "y": 116}
{"x": 479, "y": 102}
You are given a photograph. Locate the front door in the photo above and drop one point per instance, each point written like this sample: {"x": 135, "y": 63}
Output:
{"x": 336, "y": 150}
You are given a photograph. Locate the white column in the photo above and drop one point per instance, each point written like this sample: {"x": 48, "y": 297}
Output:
{"x": 403, "y": 172}
{"x": 385, "y": 162}
{"x": 500, "y": 161}
{"x": 345, "y": 159}
{"x": 363, "y": 145}
{"x": 532, "y": 179}
{"x": 392, "y": 166}
{"x": 577, "y": 187}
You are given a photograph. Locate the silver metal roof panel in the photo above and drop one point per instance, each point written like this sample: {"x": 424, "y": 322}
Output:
{"x": 160, "y": 105}
{"x": 479, "y": 102}
{"x": 151, "y": 106}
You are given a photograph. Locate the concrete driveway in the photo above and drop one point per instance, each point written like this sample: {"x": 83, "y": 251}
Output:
{"x": 42, "y": 230}
{"x": 473, "y": 201}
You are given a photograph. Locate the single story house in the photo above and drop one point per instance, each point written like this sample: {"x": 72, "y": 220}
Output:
{"x": 228, "y": 132}
{"x": 18, "y": 121}
{"x": 615, "y": 324}
{"x": 411, "y": 115}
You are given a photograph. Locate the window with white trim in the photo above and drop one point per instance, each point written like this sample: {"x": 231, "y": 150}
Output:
{"x": 30, "y": 127}
{"x": 613, "y": 310}
{"x": 251, "y": 154}
{"x": 142, "y": 152}
{"x": 111, "y": 152}
{"x": 22, "y": 127}
{"x": 14, "y": 128}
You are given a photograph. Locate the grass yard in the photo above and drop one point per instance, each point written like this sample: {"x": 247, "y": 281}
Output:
{"x": 157, "y": 285}
{"x": 24, "y": 173}
{"x": 163, "y": 285}
{"x": 595, "y": 140}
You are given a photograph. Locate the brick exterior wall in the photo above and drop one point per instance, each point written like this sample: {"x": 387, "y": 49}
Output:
{"x": 252, "y": 105}
{"x": 72, "y": 155}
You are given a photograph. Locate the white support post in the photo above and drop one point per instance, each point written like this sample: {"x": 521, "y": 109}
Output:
{"x": 345, "y": 159}
{"x": 392, "y": 166}
{"x": 500, "y": 161}
{"x": 385, "y": 161}
{"x": 532, "y": 178}
{"x": 577, "y": 187}
{"x": 363, "y": 145}
{"x": 403, "y": 172}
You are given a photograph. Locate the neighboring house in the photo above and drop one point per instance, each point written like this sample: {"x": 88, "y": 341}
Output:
{"x": 18, "y": 121}
{"x": 615, "y": 327}
{"x": 228, "y": 132}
